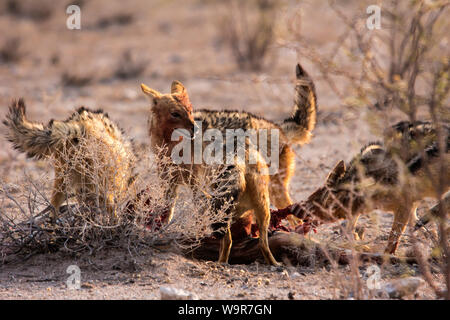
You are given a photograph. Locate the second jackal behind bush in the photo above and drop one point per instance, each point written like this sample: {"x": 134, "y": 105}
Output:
{"x": 92, "y": 157}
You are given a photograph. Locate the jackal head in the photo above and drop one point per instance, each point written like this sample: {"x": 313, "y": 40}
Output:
{"x": 169, "y": 112}
{"x": 332, "y": 201}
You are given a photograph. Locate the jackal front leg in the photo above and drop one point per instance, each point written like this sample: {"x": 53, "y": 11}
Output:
{"x": 171, "y": 196}
{"x": 58, "y": 193}
{"x": 351, "y": 228}
{"x": 225, "y": 246}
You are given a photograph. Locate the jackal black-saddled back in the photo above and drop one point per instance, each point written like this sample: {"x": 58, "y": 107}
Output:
{"x": 378, "y": 160}
{"x": 29, "y": 137}
{"x": 298, "y": 127}
{"x": 416, "y": 143}
{"x": 413, "y": 131}
{"x": 423, "y": 135}
{"x": 373, "y": 161}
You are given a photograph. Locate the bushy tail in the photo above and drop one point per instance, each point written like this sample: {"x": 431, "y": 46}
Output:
{"x": 298, "y": 127}
{"x": 29, "y": 137}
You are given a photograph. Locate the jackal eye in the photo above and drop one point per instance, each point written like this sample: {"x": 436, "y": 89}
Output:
{"x": 175, "y": 115}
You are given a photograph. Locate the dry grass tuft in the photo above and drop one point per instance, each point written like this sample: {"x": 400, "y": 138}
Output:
{"x": 11, "y": 51}
{"x": 35, "y": 10}
{"x": 130, "y": 66}
{"x": 119, "y": 19}
{"x": 84, "y": 223}
{"x": 76, "y": 79}
{"x": 248, "y": 29}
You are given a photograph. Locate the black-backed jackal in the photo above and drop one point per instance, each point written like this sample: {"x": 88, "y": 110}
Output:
{"x": 247, "y": 186}
{"x": 92, "y": 157}
{"x": 393, "y": 176}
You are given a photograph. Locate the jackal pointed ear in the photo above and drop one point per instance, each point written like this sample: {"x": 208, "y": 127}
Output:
{"x": 179, "y": 91}
{"x": 150, "y": 92}
{"x": 337, "y": 172}
{"x": 177, "y": 88}
{"x": 300, "y": 72}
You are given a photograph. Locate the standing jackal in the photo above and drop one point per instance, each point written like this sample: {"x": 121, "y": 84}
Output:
{"x": 393, "y": 176}
{"x": 91, "y": 155}
{"x": 248, "y": 186}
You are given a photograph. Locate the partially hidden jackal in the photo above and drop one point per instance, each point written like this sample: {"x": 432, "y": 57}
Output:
{"x": 247, "y": 186}
{"x": 92, "y": 157}
{"x": 393, "y": 176}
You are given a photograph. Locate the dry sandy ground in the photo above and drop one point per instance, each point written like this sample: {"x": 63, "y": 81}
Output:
{"x": 174, "y": 40}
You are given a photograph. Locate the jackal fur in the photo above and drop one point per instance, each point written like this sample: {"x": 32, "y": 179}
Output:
{"x": 393, "y": 176}
{"x": 91, "y": 155}
{"x": 248, "y": 187}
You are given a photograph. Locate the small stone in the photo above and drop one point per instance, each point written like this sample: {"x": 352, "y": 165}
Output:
{"x": 285, "y": 274}
{"x": 399, "y": 288}
{"x": 167, "y": 280}
{"x": 258, "y": 281}
{"x": 291, "y": 295}
{"x": 175, "y": 58}
{"x": 168, "y": 293}
{"x": 295, "y": 275}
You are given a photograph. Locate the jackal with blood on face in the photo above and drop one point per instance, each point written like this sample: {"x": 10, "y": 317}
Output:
{"x": 247, "y": 186}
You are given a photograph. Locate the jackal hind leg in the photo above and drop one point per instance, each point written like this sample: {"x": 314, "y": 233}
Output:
{"x": 259, "y": 195}
{"x": 279, "y": 194}
{"x": 401, "y": 217}
{"x": 279, "y": 182}
{"x": 225, "y": 246}
{"x": 221, "y": 230}
{"x": 351, "y": 227}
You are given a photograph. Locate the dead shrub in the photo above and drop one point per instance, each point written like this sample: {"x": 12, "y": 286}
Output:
{"x": 130, "y": 66}
{"x": 119, "y": 19}
{"x": 35, "y": 10}
{"x": 248, "y": 29}
{"x": 84, "y": 223}
{"x": 11, "y": 51}
{"x": 76, "y": 79}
